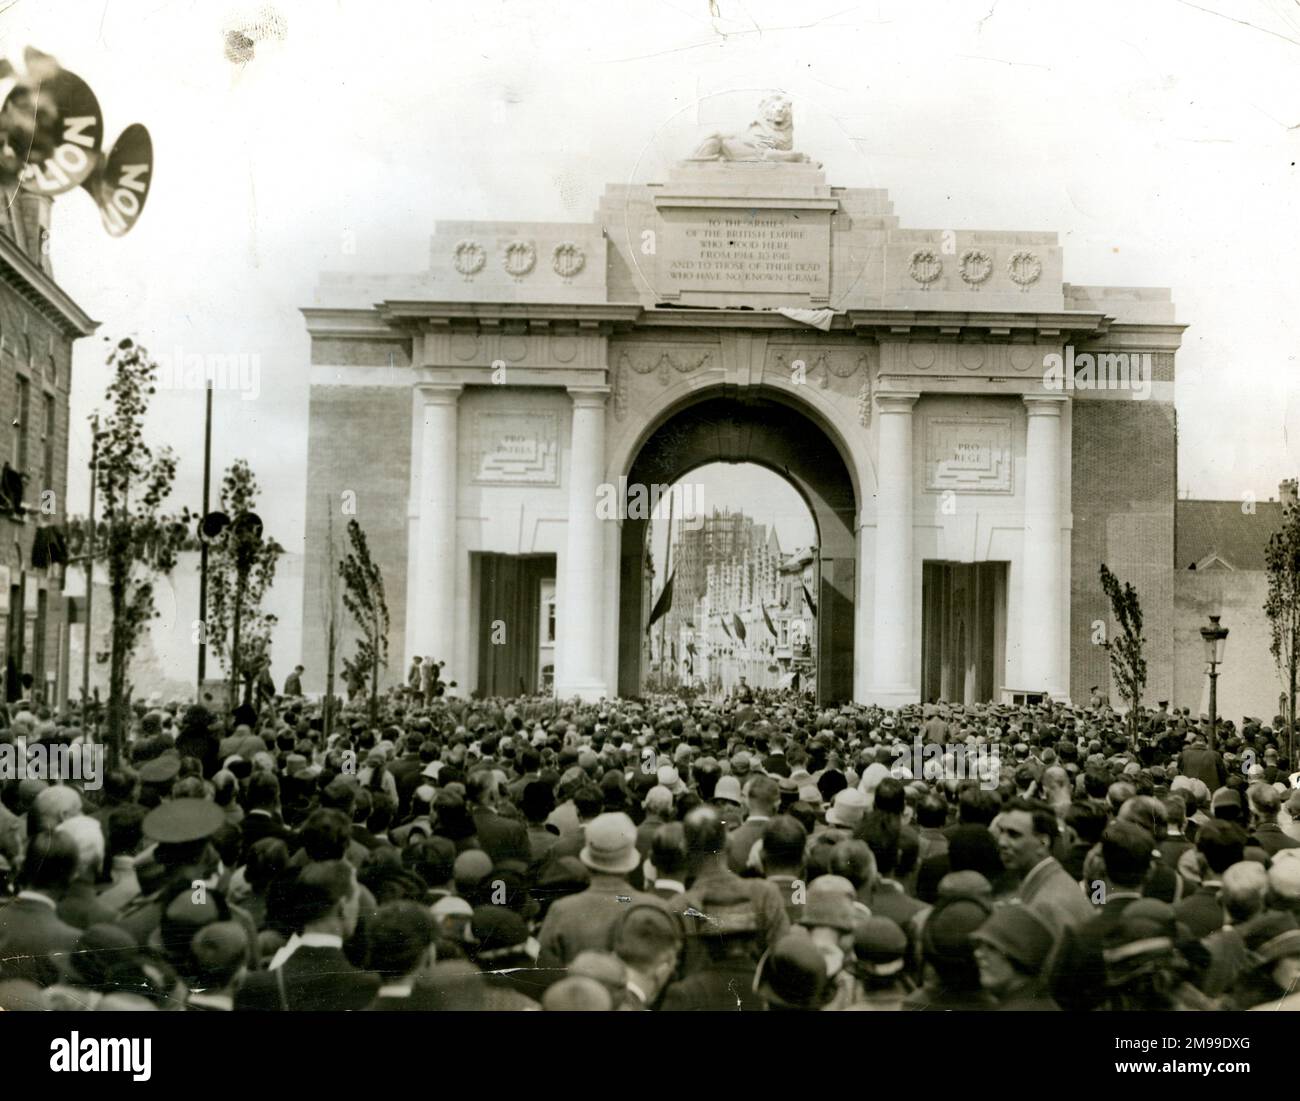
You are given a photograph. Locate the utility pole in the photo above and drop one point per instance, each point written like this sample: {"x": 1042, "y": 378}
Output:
{"x": 203, "y": 546}
{"x": 88, "y": 633}
{"x": 668, "y": 574}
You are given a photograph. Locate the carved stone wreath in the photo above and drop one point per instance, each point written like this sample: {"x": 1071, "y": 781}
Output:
{"x": 519, "y": 258}
{"x": 468, "y": 257}
{"x": 924, "y": 266}
{"x": 976, "y": 266}
{"x": 1024, "y": 268}
{"x": 568, "y": 260}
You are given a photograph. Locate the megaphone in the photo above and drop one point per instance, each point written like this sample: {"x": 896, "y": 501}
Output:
{"x": 120, "y": 183}
{"x": 51, "y": 126}
{"x": 248, "y": 523}
{"x": 212, "y": 525}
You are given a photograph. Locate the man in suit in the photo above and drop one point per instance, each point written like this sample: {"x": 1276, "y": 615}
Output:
{"x": 263, "y": 812}
{"x": 649, "y": 942}
{"x": 1026, "y": 832}
{"x": 1219, "y": 846}
{"x": 34, "y": 943}
{"x": 761, "y": 797}
{"x": 785, "y": 843}
{"x": 658, "y": 807}
{"x": 757, "y": 907}
{"x": 311, "y": 972}
{"x": 669, "y": 860}
{"x": 1265, "y": 803}
{"x": 586, "y": 920}
{"x": 1080, "y": 970}
{"x": 401, "y": 939}
{"x": 1201, "y": 763}
{"x": 293, "y": 682}
{"x": 407, "y": 772}
{"x": 500, "y": 837}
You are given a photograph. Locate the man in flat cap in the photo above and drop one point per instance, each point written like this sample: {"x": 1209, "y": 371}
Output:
{"x": 1011, "y": 948}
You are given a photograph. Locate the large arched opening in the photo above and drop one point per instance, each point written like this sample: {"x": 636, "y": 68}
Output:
{"x": 724, "y": 427}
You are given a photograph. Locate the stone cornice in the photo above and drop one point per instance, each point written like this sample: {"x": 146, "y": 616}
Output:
{"x": 340, "y": 324}
{"x": 391, "y": 319}
{"x": 20, "y": 272}
{"x": 929, "y": 324}
{"x": 599, "y": 316}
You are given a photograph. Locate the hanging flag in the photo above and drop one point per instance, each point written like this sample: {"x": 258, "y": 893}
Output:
{"x": 690, "y": 648}
{"x": 808, "y": 597}
{"x": 663, "y": 604}
{"x": 724, "y": 625}
{"x": 770, "y": 626}
{"x": 740, "y": 627}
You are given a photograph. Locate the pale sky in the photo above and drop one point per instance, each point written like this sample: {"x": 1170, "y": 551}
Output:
{"x": 1159, "y": 139}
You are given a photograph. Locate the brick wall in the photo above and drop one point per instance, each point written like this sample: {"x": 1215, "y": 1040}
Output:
{"x": 1123, "y": 470}
{"x": 359, "y": 441}
{"x": 33, "y": 348}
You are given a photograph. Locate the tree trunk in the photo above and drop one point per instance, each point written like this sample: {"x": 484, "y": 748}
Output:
{"x": 374, "y": 680}
{"x": 234, "y": 642}
{"x": 118, "y": 654}
{"x": 1290, "y": 709}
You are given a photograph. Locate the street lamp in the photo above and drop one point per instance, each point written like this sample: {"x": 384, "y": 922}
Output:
{"x": 1215, "y": 638}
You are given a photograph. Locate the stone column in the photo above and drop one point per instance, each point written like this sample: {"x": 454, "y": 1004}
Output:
{"x": 435, "y": 565}
{"x": 580, "y": 622}
{"x": 1041, "y": 594}
{"x": 894, "y": 570}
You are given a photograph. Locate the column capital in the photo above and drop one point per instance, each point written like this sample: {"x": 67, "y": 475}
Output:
{"x": 1045, "y": 405}
{"x": 896, "y": 401}
{"x": 588, "y": 397}
{"x": 438, "y": 393}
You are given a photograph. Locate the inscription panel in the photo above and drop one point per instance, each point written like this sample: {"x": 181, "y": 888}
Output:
{"x": 745, "y": 251}
{"x": 970, "y": 455}
{"x": 516, "y": 448}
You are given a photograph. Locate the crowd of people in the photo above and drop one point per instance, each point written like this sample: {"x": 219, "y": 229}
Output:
{"x": 663, "y": 854}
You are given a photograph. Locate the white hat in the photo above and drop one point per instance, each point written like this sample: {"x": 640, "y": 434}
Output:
{"x": 848, "y": 809}
{"x": 728, "y": 788}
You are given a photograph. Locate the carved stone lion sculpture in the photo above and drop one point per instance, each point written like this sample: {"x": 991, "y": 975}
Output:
{"x": 770, "y": 137}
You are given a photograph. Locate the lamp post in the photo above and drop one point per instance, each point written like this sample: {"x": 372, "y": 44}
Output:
{"x": 1214, "y": 637}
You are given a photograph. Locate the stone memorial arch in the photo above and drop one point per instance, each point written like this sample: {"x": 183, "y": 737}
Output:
{"x": 971, "y": 434}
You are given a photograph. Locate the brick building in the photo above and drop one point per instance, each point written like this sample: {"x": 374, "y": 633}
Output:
{"x": 38, "y": 324}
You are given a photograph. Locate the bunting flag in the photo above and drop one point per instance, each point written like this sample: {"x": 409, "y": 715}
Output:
{"x": 770, "y": 625}
{"x": 663, "y": 604}
{"x": 808, "y": 597}
{"x": 739, "y": 626}
{"x": 724, "y": 625}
